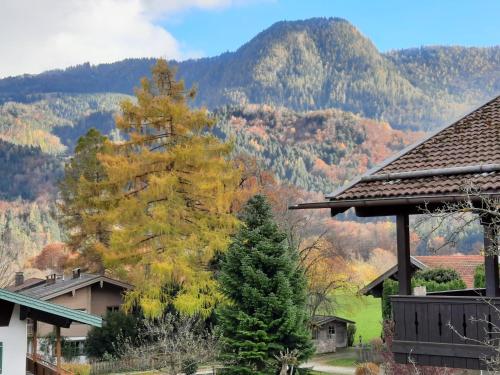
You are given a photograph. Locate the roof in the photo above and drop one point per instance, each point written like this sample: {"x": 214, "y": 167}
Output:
{"x": 465, "y": 152}
{"x": 388, "y": 274}
{"x": 62, "y": 286}
{"x": 50, "y": 308}
{"x": 319, "y": 320}
{"x": 465, "y": 265}
{"x": 28, "y": 283}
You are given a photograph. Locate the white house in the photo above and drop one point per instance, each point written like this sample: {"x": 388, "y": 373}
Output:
{"x": 15, "y": 310}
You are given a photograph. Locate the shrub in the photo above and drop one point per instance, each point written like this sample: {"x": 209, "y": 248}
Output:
{"x": 77, "y": 368}
{"x": 439, "y": 275}
{"x": 479, "y": 277}
{"x": 351, "y": 334}
{"x": 367, "y": 369}
{"x": 104, "y": 340}
{"x": 449, "y": 280}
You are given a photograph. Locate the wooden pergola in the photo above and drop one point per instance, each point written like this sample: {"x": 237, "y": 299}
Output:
{"x": 437, "y": 330}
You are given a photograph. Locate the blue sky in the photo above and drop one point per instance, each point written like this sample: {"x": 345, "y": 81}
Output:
{"x": 390, "y": 24}
{"x": 41, "y": 35}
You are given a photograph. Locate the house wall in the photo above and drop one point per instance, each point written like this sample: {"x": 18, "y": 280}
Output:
{"x": 81, "y": 300}
{"x": 92, "y": 299}
{"x": 341, "y": 335}
{"x": 14, "y": 339}
{"x": 104, "y": 297}
{"x": 326, "y": 344}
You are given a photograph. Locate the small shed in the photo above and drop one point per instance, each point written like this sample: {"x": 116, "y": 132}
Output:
{"x": 15, "y": 310}
{"x": 329, "y": 333}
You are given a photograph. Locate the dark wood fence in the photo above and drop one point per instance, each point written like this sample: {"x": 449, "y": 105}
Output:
{"x": 451, "y": 331}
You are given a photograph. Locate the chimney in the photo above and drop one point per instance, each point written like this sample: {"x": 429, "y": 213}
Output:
{"x": 19, "y": 279}
{"x": 76, "y": 273}
{"x": 50, "y": 279}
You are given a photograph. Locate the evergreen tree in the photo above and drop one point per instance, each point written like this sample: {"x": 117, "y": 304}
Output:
{"x": 266, "y": 291}
{"x": 83, "y": 200}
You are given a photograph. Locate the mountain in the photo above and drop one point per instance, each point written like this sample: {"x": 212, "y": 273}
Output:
{"x": 314, "y": 150}
{"x": 313, "y": 64}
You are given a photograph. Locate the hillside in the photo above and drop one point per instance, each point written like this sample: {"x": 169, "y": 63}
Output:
{"x": 315, "y": 150}
{"x": 309, "y": 65}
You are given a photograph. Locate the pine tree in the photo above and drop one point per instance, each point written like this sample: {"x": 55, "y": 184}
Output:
{"x": 266, "y": 291}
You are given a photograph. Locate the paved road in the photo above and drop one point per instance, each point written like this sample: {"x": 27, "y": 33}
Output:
{"x": 337, "y": 370}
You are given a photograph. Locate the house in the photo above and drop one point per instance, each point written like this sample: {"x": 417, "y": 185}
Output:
{"x": 15, "y": 310}
{"x": 329, "y": 333}
{"x": 89, "y": 293}
{"x": 465, "y": 265}
{"x": 437, "y": 330}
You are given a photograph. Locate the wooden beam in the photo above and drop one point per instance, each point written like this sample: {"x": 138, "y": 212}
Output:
{"x": 403, "y": 247}
{"x": 491, "y": 260}
{"x": 34, "y": 343}
{"x": 58, "y": 349}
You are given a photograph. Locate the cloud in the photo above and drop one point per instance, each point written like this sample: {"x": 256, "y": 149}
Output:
{"x": 39, "y": 35}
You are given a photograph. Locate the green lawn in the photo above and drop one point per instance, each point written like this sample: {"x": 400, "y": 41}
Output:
{"x": 366, "y": 311}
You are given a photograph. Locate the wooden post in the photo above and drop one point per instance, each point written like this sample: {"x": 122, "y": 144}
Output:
{"x": 34, "y": 344}
{"x": 403, "y": 246}
{"x": 58, "y": 349}
{"x": 491, "y": 261}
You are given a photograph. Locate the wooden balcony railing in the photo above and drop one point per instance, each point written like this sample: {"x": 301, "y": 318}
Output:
{"x": 36, "y": 365}
{"x": 449, "y": 331}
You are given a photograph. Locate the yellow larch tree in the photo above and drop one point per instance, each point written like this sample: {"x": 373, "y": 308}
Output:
{"x": 171, "y": 185}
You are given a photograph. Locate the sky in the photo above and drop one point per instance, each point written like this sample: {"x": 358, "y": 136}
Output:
{"x": 38, "y": 35}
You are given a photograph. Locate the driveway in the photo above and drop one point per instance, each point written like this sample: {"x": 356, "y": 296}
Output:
{"x": 336, "y": 370}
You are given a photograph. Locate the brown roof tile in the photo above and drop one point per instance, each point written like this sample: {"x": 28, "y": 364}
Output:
{"x": 473, "y": 140}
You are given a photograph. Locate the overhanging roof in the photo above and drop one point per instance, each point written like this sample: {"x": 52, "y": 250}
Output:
{"x": 434, "y": 170}
{"x": 62, "y": 286}
{"x": 50, "y": 310}
{"x": 320, "y": 320}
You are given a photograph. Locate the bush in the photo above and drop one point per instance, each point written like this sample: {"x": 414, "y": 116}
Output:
{"x": 190, "y": 367}
{"x": 367, "y": 369}
{"x": 439, "y": 275}
{"x": 479, "y": 277}
{"x": 104, "y": 340}
{"x": 446, "y": 279}
{"x": 77, "y": 368}
{"x": 351, "y": 334}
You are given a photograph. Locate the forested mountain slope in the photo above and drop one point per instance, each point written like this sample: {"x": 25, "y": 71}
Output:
{"x": 307, "y": 65}
{"x": 314, "y": 150}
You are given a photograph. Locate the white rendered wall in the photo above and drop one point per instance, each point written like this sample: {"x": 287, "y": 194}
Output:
{"x": 14, "y": 345}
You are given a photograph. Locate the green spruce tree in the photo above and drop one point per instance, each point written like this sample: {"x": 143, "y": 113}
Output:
{"x": 266, "y": 291}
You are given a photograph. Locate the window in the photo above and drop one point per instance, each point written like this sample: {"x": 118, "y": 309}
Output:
{"x": 331, "y": 331}
{"x": 1, "y": 357}
{"x": 113, "y": 308}
{"x": 73, "y": 349}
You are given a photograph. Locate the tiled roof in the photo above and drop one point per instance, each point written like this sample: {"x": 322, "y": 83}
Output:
{"x": 465, "y": 265}
{"x": 472, "y": 141}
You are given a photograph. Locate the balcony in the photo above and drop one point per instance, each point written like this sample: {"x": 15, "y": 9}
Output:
{"x": 36, "y": 365}
{"x": 448, "y": 331}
